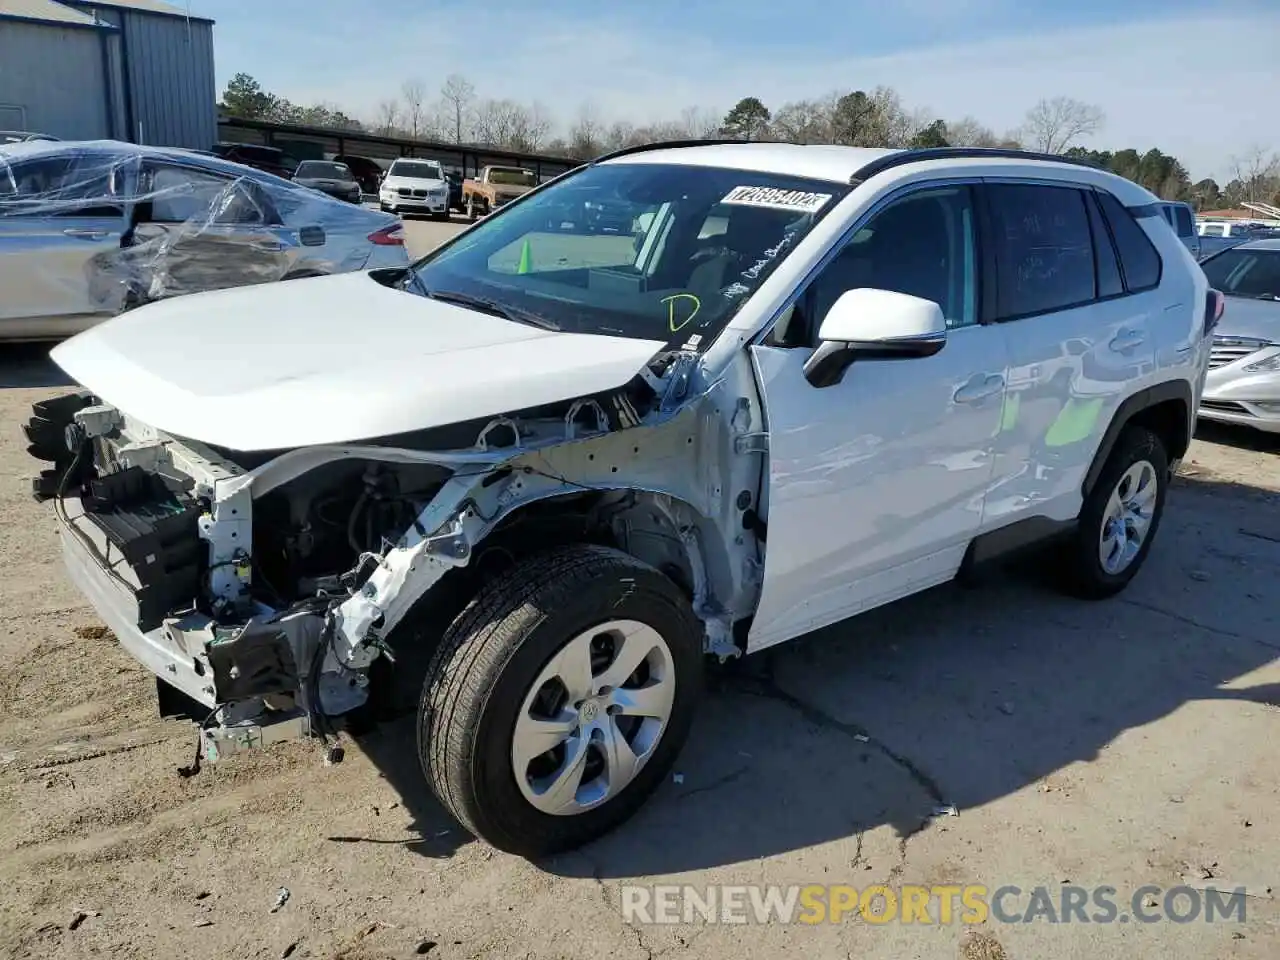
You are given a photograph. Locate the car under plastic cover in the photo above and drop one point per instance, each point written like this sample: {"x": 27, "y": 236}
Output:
{"x": 171, "y": 222}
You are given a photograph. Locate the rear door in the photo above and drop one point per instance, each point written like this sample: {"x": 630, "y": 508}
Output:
{"x": 57, "y": 213}
{"x": 1078, "y": 331}
{"x": 197, "y": 230}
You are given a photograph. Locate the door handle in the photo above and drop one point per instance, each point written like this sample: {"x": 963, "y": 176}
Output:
{"x": 1127, "y": 340}
{"x": 85, "y": 234}
{"x": 979, "y": 388}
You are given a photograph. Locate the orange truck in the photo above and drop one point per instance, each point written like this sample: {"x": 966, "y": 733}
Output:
{"x": 495, "y": 187}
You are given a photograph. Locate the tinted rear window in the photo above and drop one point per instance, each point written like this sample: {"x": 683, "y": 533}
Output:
{"x": 1139, "y": 261}
{"x": 1044, "y": 249}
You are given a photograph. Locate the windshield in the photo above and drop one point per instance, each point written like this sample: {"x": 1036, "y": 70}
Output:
{"x": 417, "y": 170}
{"x": 512, "y": 176}
{"x": 1245, "y": 273}
{"x": 322, "y": 171}
{"x": 642, "y": 250}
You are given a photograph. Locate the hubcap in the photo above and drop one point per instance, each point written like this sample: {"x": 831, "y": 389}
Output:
{"x": 1127, "y": 519}
{"x": 593, "y": 717}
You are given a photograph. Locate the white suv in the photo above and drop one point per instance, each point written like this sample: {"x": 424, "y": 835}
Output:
{"x": 415, "y": 186}
{"x": 565, "y": 466}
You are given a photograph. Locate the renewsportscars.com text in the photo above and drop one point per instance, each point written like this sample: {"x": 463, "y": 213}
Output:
{"x": 939, "y": 904}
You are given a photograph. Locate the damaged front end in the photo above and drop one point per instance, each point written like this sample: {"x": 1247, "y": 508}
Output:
{"x": 263, "y": 587}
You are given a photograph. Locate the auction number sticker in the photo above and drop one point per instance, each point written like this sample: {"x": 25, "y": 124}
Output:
{"x": 773, "y": 198}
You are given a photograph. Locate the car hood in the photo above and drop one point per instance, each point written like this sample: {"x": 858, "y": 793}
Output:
{"x": 331, "y": 360}
{"x": 1244, "y": 317}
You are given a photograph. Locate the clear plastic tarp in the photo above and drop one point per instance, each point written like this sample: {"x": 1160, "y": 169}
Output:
{"x": 115, "y": 225}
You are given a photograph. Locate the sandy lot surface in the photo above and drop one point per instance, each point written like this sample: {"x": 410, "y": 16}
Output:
{"x": 1124, "y": 743}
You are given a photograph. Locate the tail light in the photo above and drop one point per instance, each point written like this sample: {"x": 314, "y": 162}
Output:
{"x": 392, "y": 236}
{"x": 1215, "y": 305}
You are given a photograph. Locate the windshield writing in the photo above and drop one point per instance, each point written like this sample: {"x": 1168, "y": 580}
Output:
{"x": 649, "y": 251}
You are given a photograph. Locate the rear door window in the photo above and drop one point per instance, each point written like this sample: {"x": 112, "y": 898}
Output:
{"x": 1043, "y": 247}
{"x": 181, "y": 195}
{"x": 1139, "y": 261}
{"x": 1110, "y": 283}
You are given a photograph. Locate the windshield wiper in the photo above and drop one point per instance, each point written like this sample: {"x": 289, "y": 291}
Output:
{"x": 1267, "y": 296}
{"x": 491, "y": 307}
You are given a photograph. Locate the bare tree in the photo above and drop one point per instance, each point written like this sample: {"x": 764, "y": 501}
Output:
{"x": 1051, "y": 126}
{"x": 458, "y": 94}
{"x": 804, "y": 121}
{"x": 414, "y": 93}
{"x": 539, "y": 123}
{"x": 504, "y": 123}
{"x": 1257, "y": 169}
{"x": 388, "y": 117}
{"x": 586, "y": 133}
{"x": 970, "y": 132}
{"x": 697, "y": 123}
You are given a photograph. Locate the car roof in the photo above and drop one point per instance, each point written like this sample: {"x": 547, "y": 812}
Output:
{"x": 818, "y": 161}
{"x": 11, "y": 152}
{"x": 841, "y": 164}
{"x": 1270, "y": 243}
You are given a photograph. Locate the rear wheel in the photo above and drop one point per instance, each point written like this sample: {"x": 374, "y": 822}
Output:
{"x": 1120, "y": 516}
{"x": 559, "y": 699}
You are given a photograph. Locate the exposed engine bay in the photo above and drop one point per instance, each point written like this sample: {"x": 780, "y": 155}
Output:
{"x": 264, "y": 586}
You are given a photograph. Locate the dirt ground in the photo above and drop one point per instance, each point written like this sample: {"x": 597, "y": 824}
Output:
{"x": 1123, "y": 743}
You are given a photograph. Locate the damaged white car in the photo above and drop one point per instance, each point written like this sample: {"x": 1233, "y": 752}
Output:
{"x": 565, "y": 467}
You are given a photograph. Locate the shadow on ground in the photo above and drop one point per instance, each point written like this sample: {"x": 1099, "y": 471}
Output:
{"x": 27, "y": 365}
{"x": 1231, "y": 435}
{"x": 959, "y": 696}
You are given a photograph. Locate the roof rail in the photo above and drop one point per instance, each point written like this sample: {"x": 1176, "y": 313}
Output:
{"x": 900, "y": 157}
{"x": 674, "y": 145}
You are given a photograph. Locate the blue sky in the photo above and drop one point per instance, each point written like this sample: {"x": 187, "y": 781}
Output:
{"x": 1198, "y": 78}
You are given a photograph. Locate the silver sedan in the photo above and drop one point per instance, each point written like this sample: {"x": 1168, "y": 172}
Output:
{"x": 89, "y": 229}
{"x": 1243, "y": 385}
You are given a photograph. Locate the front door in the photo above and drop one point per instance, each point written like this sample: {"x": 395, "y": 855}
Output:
{"x": 877, "y": 483}
{"x": 57, "y": 213}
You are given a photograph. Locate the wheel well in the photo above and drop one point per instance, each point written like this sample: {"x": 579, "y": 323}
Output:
{"x": 1164, "y": 409}
{"x": 1169, "y": 420}
{"x": 627, "y": 520}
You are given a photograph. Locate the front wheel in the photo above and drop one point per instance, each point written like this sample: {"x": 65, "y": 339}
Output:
{"x": 559, "y": 699}
{"x": 1120, "y": 516}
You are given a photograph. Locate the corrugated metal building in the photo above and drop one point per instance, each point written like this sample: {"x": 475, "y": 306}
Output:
{"x": 139, "y": 70}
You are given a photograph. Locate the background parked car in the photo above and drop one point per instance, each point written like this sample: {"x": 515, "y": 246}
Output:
{"x": 90, "y": 229}
{"x": 415, "y": 186}
{"x": 455, "y": 189}
{"x": 1216, "y": 236}
{"x": 330, "y": 177}
{"x": 1243, "y": 385}
{"x": 1183, "y": 220}
{"x": 267, "y": 159}
{"x": 368, "y": 172}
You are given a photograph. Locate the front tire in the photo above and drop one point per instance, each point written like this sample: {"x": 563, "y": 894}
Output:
{"x": 559, "y": 699}
{"x": 1120, "y": 517}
